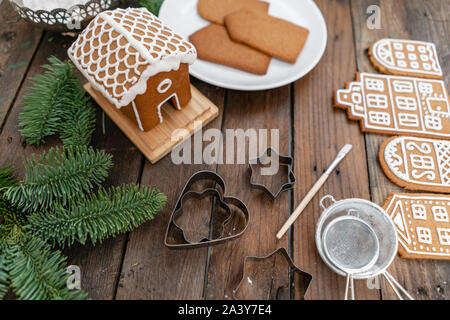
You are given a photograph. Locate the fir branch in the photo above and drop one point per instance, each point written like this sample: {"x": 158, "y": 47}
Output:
{"x": 152, "y": 5}
{"x": 52, "y": 104}
{"x": 78, "y": 124}
{"x": 4, "y": 277}
{"x": 98, "y": 217}
{"x": 7, "y": 177}
{"x": 36, "y": 272}
{"x": 55, "y": 177}
{"x": 46, "y": 100}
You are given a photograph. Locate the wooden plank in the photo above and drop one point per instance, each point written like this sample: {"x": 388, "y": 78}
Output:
{"x": 319, "y": 133}
{"x": 18, "y": 42}
{"x": 417, "y": 20}
{"x": 251, "y": 110}
{"x": 99, "y": 265}
{"x": 151, "y": 270}
{"x": 158, "y": 142}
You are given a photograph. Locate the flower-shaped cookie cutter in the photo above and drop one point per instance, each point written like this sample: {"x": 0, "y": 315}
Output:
{"x": 282, "y": 160}
{"x": 224, "y": 202}
{"x": 249, "y": 286}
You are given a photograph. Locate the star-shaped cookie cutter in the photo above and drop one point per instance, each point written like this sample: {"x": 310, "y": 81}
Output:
{"x": 301, "y": 279}
{"x": 282, "y": 160}
{"x": 221, "y": 200}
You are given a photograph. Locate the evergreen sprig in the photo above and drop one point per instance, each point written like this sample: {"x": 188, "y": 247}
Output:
{"x": 52, "y": 103}
{"x": 7, "y": 177}
{"x": 56, "y": 176}
{"x": 152, "y": 5}
{"x": 37, "y": 272}
{"x": 96, "y": 217}
{"x": 4, "y": 277}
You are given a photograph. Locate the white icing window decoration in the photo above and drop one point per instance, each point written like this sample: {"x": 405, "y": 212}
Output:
{"x": 424, "y": 235}
{"x": 398, "y": 46}
{"x": 419, "y": 212}
{"x": 440, "y": 214}
{"x": 403, "y": 86}
{"x": 381, "y": 118}
{"x": 356, "y": 98}
{"x": 422, "y": 162}
{"x": 399, "y": 55}
{"x": 434, "y": 123}
{"x": 401, "y": 63}
{"x": 410, "y": 47}
{"x": 412, "y": 57}
{"x": 427, "y": 66}
{"x": 424, "y": 57}
{"x": 415, "y": 65}
{"x": 374, "y": 84}
{"x": 406, "y": 103}
{"x": 422, "y": 49}
{"x": 164, "y": 86}
{"x": 379, "y": 101}
{"x": 425, "y": 88}
{"x": 444, "y": 236}
{"x": 408, "y": 120}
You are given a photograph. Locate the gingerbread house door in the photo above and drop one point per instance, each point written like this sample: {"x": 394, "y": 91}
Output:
{"x": 173, "y": 86}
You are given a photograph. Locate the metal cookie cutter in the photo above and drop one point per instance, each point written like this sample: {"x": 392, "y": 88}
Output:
{"x": 282, "y": 160}
{"x": 251, "y": 287}
{"x": 230, "y": 229}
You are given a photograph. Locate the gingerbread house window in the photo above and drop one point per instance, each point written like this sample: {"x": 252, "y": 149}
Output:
{"x": 444, "y": 236}
{"x": 136, "y": 62}
{"x": 419, "y": 211}
{"x": 440, "y": 214}
{"x": 424, "y": 235}
{"x": 374, "y": 84}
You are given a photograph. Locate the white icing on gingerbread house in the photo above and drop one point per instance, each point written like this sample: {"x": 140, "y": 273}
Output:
{"x": 422, "y": 223}
{"x": 120, "y": 50}
{"x": 395, "y": 104}
{"x": 407, "y": 57}
{"x": 421, "y": 163}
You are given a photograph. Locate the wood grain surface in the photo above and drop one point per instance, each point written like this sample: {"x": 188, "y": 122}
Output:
{"x": 138, "y": 265}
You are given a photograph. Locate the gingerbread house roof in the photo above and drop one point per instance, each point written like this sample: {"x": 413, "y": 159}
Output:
{"x": 121, "y": 49}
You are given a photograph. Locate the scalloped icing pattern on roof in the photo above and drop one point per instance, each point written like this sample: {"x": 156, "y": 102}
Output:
{"x": 121, "y": 49}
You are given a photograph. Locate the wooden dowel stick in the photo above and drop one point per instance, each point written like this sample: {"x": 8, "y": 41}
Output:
{"x": 341, "y": 155}
{"x": 302, "y": 205}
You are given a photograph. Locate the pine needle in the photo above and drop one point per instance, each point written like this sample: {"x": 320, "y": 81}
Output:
{"x": 97, "y": 217}
{"x": 57, "y": 176}
{"x": 36, "y": 271}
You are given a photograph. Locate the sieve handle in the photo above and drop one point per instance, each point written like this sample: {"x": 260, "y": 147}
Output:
{"x": 349, "y": 284}
{"x": 396, "y": 286}
{"x": 325, "y": 198}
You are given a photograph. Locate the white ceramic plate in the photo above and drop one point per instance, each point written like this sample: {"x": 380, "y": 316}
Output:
{"x": 182, "y": 16}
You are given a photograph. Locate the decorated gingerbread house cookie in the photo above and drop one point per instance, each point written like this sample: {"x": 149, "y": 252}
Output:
{"x": 136, "y": 62}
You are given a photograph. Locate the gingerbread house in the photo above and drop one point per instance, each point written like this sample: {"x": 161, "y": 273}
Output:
{"x": 136, "y": 62}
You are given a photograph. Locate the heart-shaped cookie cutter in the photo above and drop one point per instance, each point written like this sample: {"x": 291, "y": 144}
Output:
{"x": 223, "y": 201}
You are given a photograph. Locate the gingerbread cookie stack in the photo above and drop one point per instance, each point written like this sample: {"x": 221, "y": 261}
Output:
{"x": 244, "y": 36}
{"x": 412, "y": 99}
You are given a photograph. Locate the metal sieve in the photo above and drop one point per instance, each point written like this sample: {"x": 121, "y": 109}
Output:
{"x": 343, "y": 226}
{"x": 352, "y": 246}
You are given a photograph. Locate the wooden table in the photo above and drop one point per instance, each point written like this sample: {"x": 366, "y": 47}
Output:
{"x": 138, "y": 266}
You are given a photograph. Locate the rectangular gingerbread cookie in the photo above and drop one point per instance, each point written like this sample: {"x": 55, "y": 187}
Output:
{"x": 276, "y": 37}
{"x": 216, "y": 10}
{"x": 214, "y": 45}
